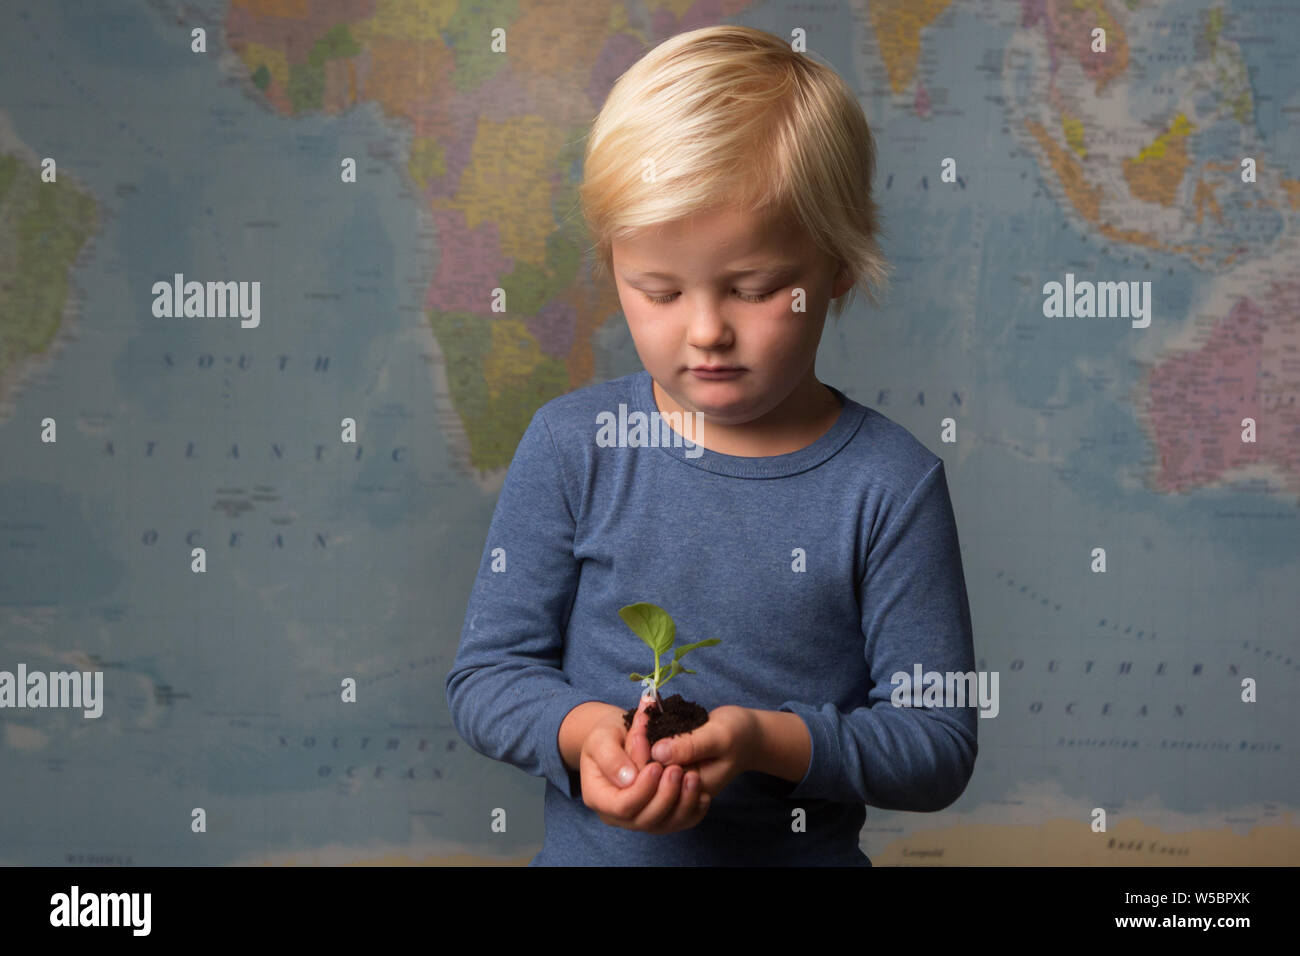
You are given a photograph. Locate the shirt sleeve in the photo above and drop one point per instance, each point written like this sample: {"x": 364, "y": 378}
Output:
{"x": 506, "y": 692}
{"x": 915, "y": 610}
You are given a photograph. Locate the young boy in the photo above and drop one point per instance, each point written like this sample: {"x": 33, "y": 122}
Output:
{"x": 727, "y": 181}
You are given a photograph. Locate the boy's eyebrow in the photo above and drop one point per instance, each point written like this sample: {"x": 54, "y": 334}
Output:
{"x": 776, "y": 270}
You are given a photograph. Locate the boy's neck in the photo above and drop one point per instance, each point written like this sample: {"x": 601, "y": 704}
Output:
{"x": 810, "y": 411}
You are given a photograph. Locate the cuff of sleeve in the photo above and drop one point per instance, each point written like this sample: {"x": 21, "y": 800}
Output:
{"x": 817, "y": 779}
{"x": 553, "y": 768}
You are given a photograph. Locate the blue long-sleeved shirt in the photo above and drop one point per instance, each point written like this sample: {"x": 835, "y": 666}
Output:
{"x": 824, "y": 572}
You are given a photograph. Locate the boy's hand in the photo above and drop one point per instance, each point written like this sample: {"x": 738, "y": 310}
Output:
{"x": 652, "y": 801}
{"x": 725, "y": 746}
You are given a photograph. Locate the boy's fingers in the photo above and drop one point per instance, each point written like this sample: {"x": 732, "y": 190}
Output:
{"x": 687, "y": 812}
{"x": 637, "y": 745}
{"x": 625, "y": 803}
{"x": 604, "y": 795}
{"x": 661, "y": 805}
{"x": 709, "y": 776}
{"x": 615, "y": 763}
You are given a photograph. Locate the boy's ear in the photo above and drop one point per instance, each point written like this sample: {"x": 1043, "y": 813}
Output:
{"x": 843, "y": 281}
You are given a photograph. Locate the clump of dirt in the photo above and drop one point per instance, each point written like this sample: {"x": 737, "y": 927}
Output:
{"x": 676, "y": 716}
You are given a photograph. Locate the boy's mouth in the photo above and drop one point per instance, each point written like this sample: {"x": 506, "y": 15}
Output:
{"x": 717, "y": 375}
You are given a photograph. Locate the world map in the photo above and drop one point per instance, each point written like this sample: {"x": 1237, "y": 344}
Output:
{"x": 215, "y": 139}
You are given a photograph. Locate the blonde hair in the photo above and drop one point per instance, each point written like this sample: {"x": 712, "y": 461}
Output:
{"x": 730, "y": 116}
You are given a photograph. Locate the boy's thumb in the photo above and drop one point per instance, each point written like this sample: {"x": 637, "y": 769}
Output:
{"x": 638, "y": 742}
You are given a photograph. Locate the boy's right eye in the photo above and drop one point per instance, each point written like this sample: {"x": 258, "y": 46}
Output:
{"x": 665, "y": 299}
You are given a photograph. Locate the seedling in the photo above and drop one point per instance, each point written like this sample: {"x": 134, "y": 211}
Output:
{"x": 653, "y": 625}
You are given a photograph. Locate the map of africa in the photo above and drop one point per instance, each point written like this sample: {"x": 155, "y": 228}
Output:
{"x": 1012, "y": 153}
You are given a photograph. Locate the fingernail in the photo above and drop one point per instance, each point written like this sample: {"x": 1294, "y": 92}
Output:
{"x": 626, "y": 776}
{"x": 661, "y": 751}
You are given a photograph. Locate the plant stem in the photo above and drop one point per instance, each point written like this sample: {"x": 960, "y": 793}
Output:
{"x": 659, "y": 701}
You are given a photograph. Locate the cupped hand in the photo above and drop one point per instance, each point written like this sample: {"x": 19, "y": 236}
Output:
{"x": 625, "y": 788}
{"x": 725, "y": 746}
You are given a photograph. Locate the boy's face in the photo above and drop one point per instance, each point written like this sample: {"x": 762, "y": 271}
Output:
{"x": 714, "y": 315}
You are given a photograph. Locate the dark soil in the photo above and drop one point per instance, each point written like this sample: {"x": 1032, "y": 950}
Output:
{"x": 677, "y": 716}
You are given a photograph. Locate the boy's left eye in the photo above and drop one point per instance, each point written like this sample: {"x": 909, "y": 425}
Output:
{"x": 665, "y": 299}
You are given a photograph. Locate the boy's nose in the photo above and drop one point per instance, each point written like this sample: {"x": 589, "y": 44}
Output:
{"x": 708, "y": 330}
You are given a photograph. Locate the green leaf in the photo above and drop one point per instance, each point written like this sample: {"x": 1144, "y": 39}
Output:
{"x": 685, "y": 649}
{"x": 637, "y": 676}
{"x": 651, "y": 623}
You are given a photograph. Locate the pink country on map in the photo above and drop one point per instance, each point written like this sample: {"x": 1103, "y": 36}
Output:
{"x": 1248, "y": 367}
